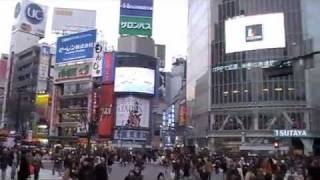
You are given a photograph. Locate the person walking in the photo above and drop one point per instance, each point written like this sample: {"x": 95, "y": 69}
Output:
{"x": 100, "y": 170}
{"x": 4, "y": 161}
{"x": 24, "y": 172}
{"x": 14, "y": 161}
{"x": 37, "y": 164}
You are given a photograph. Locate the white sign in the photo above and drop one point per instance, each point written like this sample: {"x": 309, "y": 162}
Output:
{"x": 98, "y": 61}
{"x": 255, "y": 32}
{"x": 30, "y": 17}
{"x": 290, "y": 133}
{"x": 134, "y": 79}
{"x": 75, "y": 20}
{"x": 133, "y": 112}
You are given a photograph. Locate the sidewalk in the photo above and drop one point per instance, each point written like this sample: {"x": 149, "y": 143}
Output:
{"x": 45, "y": 174}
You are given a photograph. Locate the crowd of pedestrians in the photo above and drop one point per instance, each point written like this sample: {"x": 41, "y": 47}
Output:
{"x": 175, "y": 164}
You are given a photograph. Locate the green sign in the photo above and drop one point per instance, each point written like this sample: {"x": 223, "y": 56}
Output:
{"x": 73, "y": 71}
{"x": 134, "y": 26}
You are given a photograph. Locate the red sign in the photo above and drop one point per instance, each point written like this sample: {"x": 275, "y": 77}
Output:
{"x": 182, "y": 114}
{"x": 106, "y": 111}
{"x": 108, "y": 68}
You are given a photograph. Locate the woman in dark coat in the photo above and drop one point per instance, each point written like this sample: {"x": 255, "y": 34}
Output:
{"x": 23, "y": 173}
{"x": 100, "y": 170}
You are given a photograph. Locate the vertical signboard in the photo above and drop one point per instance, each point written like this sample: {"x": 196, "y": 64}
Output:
{"x": 183, "y": 113}
{"x": 136, "y": 17}
{"x": 42, "y": 105}
{"x": 108, "y": 67}
{"x": 30, "y": 17}
{"x": 106, "y": 111}
{"x": 74, "y": 47}
{"x": 98, "y": 61}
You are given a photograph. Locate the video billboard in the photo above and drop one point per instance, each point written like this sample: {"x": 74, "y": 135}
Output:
{"x": 132, "y": 112}
{"x": 134, "y": 79}
{"x": 74, "y": 20}
{"x": 255, "y": 32}
{"x": 30, "y": 17}
{"x": 74, "y": 47}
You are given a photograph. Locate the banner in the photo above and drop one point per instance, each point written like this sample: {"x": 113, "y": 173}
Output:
{"x": 183, "y": 113}
{"x": 108, "y": 67}
{"x": 133, "y": 112}
{"x": 106, "y": 111}
{"x": 74, "y": 47}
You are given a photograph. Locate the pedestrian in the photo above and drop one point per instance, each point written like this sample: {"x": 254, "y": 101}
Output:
{"x": 37, "y": 164}
{"x": 24, "y": 172}
{"x": 4, "y": 161}
{"x": 57, "y": 163}
{"x": 100, "y": 170}
{"x": 14, "y": 162}
{"x": 160, "y": 176}
{"x": 86, "y": 170}
{"x": 134, "y": 175}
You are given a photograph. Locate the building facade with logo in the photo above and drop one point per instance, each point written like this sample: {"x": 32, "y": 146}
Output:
{"x": 262, "y": 75}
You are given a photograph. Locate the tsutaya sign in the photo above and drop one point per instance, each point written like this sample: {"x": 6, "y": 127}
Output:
{"x": 290, "y": 133}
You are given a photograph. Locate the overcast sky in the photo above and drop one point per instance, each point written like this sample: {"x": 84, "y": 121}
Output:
{"x": 169, "y": 22}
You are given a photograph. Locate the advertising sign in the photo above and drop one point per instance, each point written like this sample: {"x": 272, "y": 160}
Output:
{"x": 106, "y": 111}
{"x": 183, "y": 113}
{"x": 133, "y": 135}
{"x": 135, "y": 26}
{"x": 44, "y": 63}
{"x": 136, "y": 8}
{"x": 72, "y": 72}
{"x": 98, "y": 61}
{"x": 255, "y": 32}
{"x": 42, "y": 103}
{"x": 74, "y": 47}
{"x": 74, "y": 20}
{"x": 30, "y": 17}
{"x": 290, "y": 133}
{"x": 134, "y": 79}
{"x": 132, "y": 112}
{"x": 108, "y": 67}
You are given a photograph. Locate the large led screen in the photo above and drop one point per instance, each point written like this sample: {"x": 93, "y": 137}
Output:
{"x": 134, "y": 79}
{"x": 132, "y": 112}
{"x": 255, "y": 32}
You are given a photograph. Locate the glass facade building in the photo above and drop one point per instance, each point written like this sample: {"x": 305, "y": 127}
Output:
{"x": 254, "y": 92}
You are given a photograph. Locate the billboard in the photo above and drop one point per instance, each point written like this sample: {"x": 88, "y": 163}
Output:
{"x": 136, "y": 8}
{"x": 135, "y": 26}
{"x": 132, "y": 112}
{"x": 30, "y": 17}
{"x": 132, "y": 135}
{"x": 42, "y": 105}
{"x": 74, "y": 47}
{"x": 136, "y": 17}
{"x": 108, "y": 67}
{"x": 183, "y": 113}
{"x": 134, "y": 79}
{"x": 74, "y": 20}
{"x": 255, "y": 32}
{"x": 72, "y": 72}
{"x": 44, "y": 63}
{"x": 98, "y": 61}
{"x": 106, "y": 111}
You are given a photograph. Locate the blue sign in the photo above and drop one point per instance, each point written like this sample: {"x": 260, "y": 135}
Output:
{"x": 142, "y": 8}
{"x": 76, "y": 46}
{"x": 34, "y": 13}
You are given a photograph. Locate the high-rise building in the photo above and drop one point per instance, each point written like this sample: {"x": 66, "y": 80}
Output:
{"x": 261, "y": 74}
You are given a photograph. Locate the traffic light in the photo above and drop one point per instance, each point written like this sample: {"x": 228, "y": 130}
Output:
{"x": 276, "y": 145}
